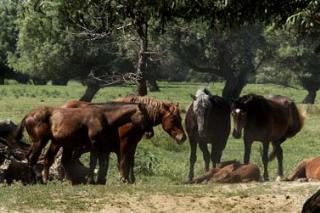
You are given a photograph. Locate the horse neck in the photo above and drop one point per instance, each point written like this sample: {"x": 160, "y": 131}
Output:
{"x": 155, "y": 115}
{"x": 121, "y": 115}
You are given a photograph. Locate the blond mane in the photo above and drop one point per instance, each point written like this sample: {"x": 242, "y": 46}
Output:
{"x": 155, "y": 107}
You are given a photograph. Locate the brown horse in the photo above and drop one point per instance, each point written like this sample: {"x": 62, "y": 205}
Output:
{"x": 207, "y": 121}
{"x": 272, "y": 119}
{"x": 159, "y": 112}
{"x": 72, "y": 128}
{"x": 231, "y": 172}
{"x": 307, "y": 170}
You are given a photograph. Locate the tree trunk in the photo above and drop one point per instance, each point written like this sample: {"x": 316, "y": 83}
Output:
{"x": 142, "y": 62}
{"x": 90, "y": 92}
{"x": 233, "y": 84}
{"x": 1, "y": 80}
{"x": 232, "y": 88}
{"x": 153, "y": 85}
{"x": 311, "y": 97}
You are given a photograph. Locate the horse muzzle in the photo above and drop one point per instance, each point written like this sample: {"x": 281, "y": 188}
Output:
{"x": 181, "y": 138}
{"x": 236, "y": 134}
{"x": 148, "y": 134}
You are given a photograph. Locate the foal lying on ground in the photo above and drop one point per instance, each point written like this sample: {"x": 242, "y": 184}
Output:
{"x": 307, "y": 170}
{"x": 231, "y": 172}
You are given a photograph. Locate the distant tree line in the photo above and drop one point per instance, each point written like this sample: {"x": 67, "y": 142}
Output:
{"x": 231, "y": 41}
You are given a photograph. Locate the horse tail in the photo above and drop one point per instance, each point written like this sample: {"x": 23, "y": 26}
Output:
{"x": 276, "y": 148}
{"x": 272, "y": 154}
{"x": 20, "y": 129}
{"x": 297, "y": 121}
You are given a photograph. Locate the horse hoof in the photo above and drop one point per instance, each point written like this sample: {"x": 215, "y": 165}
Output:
{"x": 279, "y": 178}
{"x": 102, "y": 182}
{"x": 124, "y": 180}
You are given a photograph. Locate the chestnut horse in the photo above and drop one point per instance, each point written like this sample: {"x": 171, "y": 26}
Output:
{"x": 207, "y": 121}
{"x": 307, "y": 169}
{"x": 71, "y": 128}
{"x": 159, "y": 112}
{"x": 231, "y": 172}
{"x": 272, "y": 119}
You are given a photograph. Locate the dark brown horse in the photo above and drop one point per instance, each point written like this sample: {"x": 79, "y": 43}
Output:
{"x": 159, "y": 112}
{"x": 272, "y": 119}
{"x": 72, "y": 128}
{"x": 207, "y": 121}
{"x": 312, "y": 204}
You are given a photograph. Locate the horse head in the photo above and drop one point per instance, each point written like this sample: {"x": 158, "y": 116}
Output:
{"x": 172, "y": 123}
{"x": 201, "y": 107}
{"x": 239, "y": 115}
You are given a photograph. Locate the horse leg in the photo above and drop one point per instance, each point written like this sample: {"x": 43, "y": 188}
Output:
{"x": 279, "y": 155}
{"x": 265, "y": 160}
{"x": 216, "y": 154}
{"x": 124, "y": 175}
{"x": 48, "y": 161}
{"x": 206, "y": 155}
{"x": 34, "y": 154}
{"x": 93, "y": 164}
{"x": 280, "y": 161}
{"x": 66, "y": 161}
{"x": 36, "y": 151}
{"x": 103, "y": 168}
{"x": 118, "y": 159}
{"x": 193, "y": 157}
{"x": 132, "y": 178}
{"x": 247, "y": 151}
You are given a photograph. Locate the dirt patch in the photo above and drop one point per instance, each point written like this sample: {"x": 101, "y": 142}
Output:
{"x": 270, "y": 197}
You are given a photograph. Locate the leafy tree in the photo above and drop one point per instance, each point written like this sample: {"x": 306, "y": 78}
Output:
{"x": 8, "y": 34}
{"x": 229, "y": 55}
{"x": 46, "y": 48}
{"x": 299, "y": 56}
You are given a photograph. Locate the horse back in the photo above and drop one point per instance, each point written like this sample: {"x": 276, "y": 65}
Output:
{"x": 312, "y": 168}
{"x": 219, "y": 117}
{"x": 74, "y": 122}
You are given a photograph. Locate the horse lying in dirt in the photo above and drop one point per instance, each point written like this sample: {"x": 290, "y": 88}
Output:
{"x": 231, "y": 172}
{"x": 306, "y": 170}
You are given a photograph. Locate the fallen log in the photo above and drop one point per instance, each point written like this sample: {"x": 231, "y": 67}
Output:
{"x": 14, "y": 164}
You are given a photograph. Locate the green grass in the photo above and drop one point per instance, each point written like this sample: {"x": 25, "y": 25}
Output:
{"x": 169, "y": 161}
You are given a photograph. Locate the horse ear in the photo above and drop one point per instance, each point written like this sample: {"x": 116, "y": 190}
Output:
{"x": 177, "y": 104}
{"x": 249, "y": 99}
{"x": 193, "y": 97}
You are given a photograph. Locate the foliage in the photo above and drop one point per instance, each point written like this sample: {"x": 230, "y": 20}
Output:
{"x": 8, "y": 33}
{"x": 146, "y": 163}
{"x": 47, "y": 47}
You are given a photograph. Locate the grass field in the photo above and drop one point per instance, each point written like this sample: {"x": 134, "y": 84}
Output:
{"x": 162, "y": 165}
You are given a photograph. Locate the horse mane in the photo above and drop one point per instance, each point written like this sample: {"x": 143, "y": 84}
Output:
{"x": 215, "y": 100}
{"x": 254, "y": 102}
{"x": 204, "y": 96}
{"x": 155, "y": 107}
